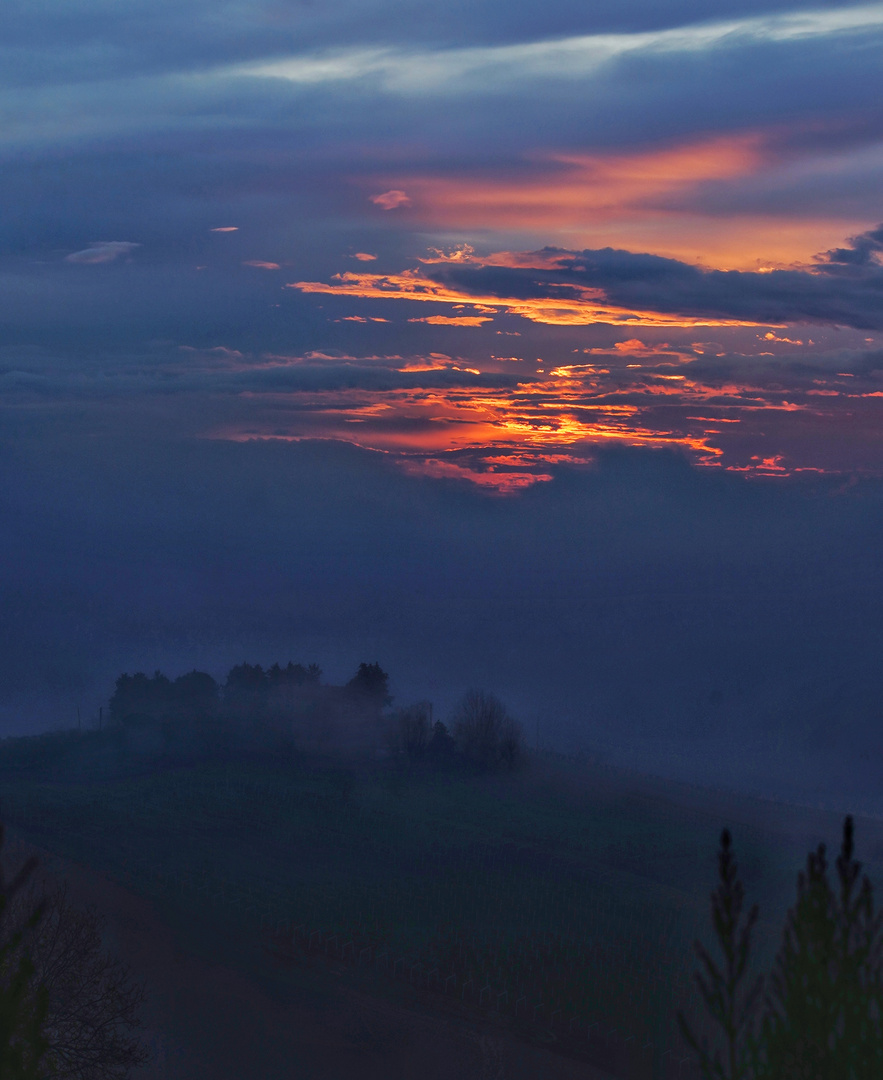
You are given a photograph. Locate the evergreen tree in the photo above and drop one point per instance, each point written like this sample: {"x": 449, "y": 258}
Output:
{"x": 371, "y": 684}
{"x": 860, "y": 944}
{"x": 721, "y": 987}
{"x": 822, "y": 1014}
{"x": 822, "y": 1018}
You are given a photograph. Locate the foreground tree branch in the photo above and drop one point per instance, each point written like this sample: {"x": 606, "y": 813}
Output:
{"x": 94, "y": 1004}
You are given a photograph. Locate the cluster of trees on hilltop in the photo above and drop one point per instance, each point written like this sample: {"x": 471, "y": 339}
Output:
{"x": 253, "y": 704}
{"x": 249, "y": 691}
{"x": 293, "y": 702}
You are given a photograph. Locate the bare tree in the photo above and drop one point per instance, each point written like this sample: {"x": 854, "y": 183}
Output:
{"x": 410, "y": 730}
{"x": 485, "y": 733}
{"x": 94, "y": 1004}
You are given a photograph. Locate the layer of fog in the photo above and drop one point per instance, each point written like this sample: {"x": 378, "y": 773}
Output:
{"x": 642, "y": 612}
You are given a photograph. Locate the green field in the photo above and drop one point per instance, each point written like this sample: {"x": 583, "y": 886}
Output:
{"x": 562, "y": 899}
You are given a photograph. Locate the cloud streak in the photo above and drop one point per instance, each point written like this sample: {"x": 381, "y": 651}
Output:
{"x": 456, "y": 71}
{"x": 102, "y": 251}
{"x": 564, "y": 304}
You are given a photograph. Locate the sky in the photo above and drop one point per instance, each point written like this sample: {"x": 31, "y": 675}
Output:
{"x": 537, "y": 347}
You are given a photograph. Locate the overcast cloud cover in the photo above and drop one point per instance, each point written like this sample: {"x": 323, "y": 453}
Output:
{"x": 528, "y": 346}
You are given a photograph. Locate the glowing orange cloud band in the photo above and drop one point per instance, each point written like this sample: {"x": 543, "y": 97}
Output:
{"x": 587, "y": 307}
{"x": 582, "y": 188}
{"x": 647, "y": 198}
{"x": 506, "y": 437}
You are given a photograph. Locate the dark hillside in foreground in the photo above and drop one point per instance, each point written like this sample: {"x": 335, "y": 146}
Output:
{"x": 555, "y": 905}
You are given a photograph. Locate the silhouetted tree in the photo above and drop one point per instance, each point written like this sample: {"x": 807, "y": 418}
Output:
{"x": 485, "y": 734}
{"x": 441, "y": 747}
{"x": 412, "y": 730}
{"x": 823, "y": 1009}
{"x": 245, "y": 690}
{"x": 137, "y": 698}
{"x": 194, "y": 696}
{"x": 244, "y": 679}
{"x": 23, "y": 999}
{"x": 371, "y": 684}
{"x": 822, "y": 1016}
{"x": 722, "y": 987}
{"x": 293, "y": 675}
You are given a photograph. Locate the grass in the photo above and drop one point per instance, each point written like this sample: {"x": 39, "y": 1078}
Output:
{"x": 555, "y": 901}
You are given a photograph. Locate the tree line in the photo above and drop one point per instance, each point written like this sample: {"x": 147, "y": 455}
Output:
{"x": 249, "y": 690}
{"x": 293, "y": 701}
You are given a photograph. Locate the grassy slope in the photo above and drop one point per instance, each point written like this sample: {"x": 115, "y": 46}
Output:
{"x": 562, "y": 901}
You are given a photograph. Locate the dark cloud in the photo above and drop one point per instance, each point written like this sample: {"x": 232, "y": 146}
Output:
{"x": 862, "y": 253}
{"x": 652, "y": 283}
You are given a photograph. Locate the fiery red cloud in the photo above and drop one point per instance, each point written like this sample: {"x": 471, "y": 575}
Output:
{"x": 582, "y": 305}
{"x": 505, "y": 436}
{"x": 453, "y": 320}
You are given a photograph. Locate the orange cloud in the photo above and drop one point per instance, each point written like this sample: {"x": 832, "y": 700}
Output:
{"x": 782, "y": 340}
{"x": 457, "y": 320}
{"x": 363, "y": 256}
{"x": 503, "y": 434}
{"x": 640, "y": 200}
{"x": 225, "y": 228}
{"x": 503, "y": 482}
{"x": 588, "y": 305}
{"x": 588, "y": 187}
{"x": 262, "y": 265}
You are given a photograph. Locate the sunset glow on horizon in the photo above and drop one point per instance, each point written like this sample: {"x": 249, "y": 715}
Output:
{"x": 650, "y": 200}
